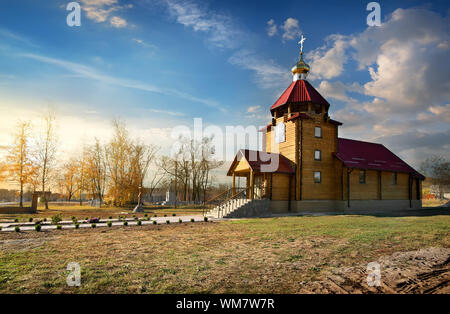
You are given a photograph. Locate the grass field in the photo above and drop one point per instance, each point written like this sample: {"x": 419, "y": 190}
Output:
{"x": 274, "y": 255}
{"x": 81, "y": 212}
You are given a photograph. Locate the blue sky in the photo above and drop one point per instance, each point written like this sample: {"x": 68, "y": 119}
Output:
{"x": 160, "y": 63}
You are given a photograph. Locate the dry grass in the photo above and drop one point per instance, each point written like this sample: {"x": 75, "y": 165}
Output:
{"x": 245, "y": 256}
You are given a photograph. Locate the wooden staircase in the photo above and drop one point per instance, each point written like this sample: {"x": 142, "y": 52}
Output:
{"x": 237, "y": 206}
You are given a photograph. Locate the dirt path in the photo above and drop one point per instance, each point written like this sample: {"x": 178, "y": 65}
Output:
{"x": 422, "y": 271}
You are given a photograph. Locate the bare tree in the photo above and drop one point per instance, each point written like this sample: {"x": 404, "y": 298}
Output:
{"x": 96, "y": 170}
{"x": 46, "y": 154}
{"x": 142, "y": 157}
{"x": 157, "y": 178}
{"x": 437, "y": 168}
{"x": 194, "y": 163}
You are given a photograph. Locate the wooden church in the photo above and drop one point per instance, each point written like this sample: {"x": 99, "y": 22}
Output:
{"x": 306, "y": 166}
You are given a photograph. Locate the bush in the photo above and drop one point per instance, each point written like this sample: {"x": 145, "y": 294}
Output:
{"x": 93, "y": 220}
{"x": 154, "y": 222}
{"x": 56, "y": 218}
{"x": 109, "y": 224}
{"x": 30, "y": 219}
{"x": 155, "y": 215}
{"x": 174, "y": 215}
{"x": 110, "y": 217}
{"x": 45, "y": 219}
{"x": 148, "y": 218}
{"x": 165, "y": 215}
{"x": 86, "y": 218}
{"x": 93, "y": 225}
{"x": 139, "y": 223}
{"x": 125, "y": 223}
{"x": 167, "y": 221}
{"x": 205, "y": 219}
{"x": 73, "y": 218}
{"x": 77, "y": 225}
{"x": 0, "y": 228}
{"x": 180, "y": 221}
{"x": 58, "y": 227}
{"x": 192, "y": 220}
{"x": 145, "y": 215}
{"x": 37, "y": 228}
{"x": 16, "y": 220}
{"x": 17, "y": 229}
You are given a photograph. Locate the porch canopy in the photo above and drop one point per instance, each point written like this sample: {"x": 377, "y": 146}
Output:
{"x": 247, "y": 161}
{"x": 251, "y": 164}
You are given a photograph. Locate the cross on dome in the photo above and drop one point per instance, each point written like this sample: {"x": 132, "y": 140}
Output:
{"x": 301, "y": 69}
{"x": 302, "y": 40}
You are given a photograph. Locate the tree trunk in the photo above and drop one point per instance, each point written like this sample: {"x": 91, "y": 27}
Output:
{"x": 21, "y": 194}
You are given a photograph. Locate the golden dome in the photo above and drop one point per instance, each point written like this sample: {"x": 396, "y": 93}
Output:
{"x": 301, "y": 67}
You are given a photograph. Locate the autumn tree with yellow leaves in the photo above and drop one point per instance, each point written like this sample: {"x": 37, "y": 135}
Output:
{"x": 19, "y": 161}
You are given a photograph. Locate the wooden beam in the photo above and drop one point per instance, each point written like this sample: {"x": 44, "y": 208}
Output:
{"x": 349, "y": 171}
{"x": 301, "y": 158}
{"x": 271, "y": 178}
{"x": 380, "y": 177}
{"x": 234, "y": 185}
{"x": 290, "y": 193}
{"x": 410, "y": 190}
{"x": 252, "y": 185}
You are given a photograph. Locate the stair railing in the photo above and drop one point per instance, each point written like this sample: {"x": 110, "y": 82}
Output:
{"x": 222, "y": 199}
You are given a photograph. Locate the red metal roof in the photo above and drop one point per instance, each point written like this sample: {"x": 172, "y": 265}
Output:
{"x": 258, "y": 159}
{"x": 300, "y": 91}
{"x": 365, "y": 155}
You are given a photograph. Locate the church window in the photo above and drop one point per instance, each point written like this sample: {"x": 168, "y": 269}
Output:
{"x": 317, "y": 177}
{"x": 317, "y": 155}
{"x": 362, "y": 176}
{"x": 280, "y": 133}
{"x": 394, "y": 178}
{"x": 318, "y": 131}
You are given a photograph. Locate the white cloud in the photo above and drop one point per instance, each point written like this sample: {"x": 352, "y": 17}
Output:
{"x": 6, "y": 33}
{"x": 291, "y": 29}
{"x": 222, "y": 33}
{"x": 165, "y": 112}
{"x": 272, "y": 28}
{"x": 328, "y": 62}
{"x": 144, "y": 44}
{"x": 268, "y": 74}
{"x": 118, "y": 22}
{"x": 253, "y": 109}
{"x": 100, "y": 10}
{"x": 139, "y": 41}
{"x": 219, "y": 27}
{"x": 338, "y": 90}
{"x": 409, "y": 86}
{"x": 91, "y": 73}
